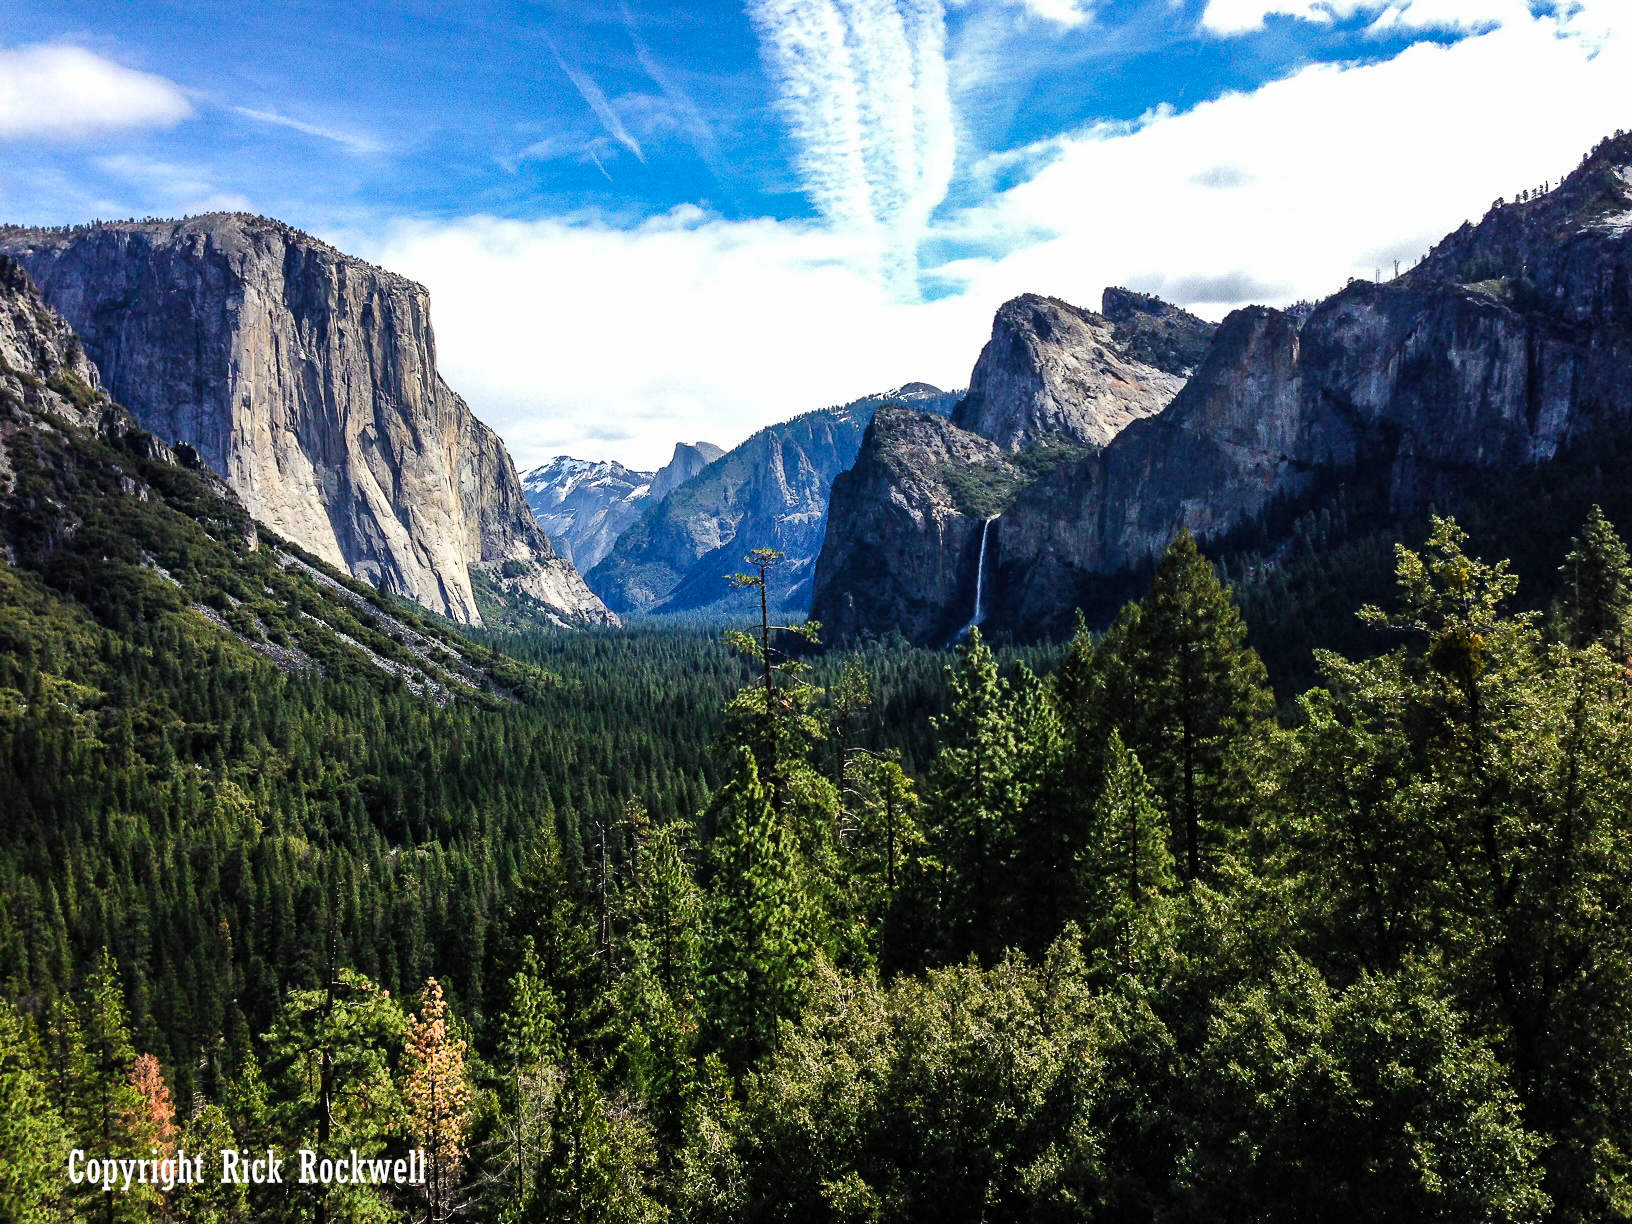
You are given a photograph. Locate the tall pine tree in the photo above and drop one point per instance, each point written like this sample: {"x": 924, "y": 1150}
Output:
{"x": 1190, "y": 697}
{"x": 759, "y": 943}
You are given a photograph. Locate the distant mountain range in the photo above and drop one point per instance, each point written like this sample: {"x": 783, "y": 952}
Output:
{"x": 585, "y": 505}
{"x": 770, "y": 492}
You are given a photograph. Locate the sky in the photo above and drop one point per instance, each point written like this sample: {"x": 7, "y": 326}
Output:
{"x": 647, "y": 221}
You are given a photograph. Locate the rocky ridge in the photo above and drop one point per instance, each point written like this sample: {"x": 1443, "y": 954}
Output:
{"x": 584, "y": 505}
{"x": 307, "y": 380}
{"x": 1512, "y": 339}
{"x": 1054, "y": 385}
{"x": 770, "y": 492}
{"x": 1052, "y": 370}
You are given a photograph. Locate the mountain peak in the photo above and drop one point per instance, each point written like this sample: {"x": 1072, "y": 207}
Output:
{"x": 1054, "y": 370}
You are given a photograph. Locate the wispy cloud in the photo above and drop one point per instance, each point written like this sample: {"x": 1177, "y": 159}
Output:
{"x": 346, "y": 140}
{"x": 687, "y": 116}
{"x": 1229, "y": 17}
{"x": 862, "y": 85}
{"x": 597, "y": 101}
{"x": 171, "y": 187}
{"x": 69, "y": 93}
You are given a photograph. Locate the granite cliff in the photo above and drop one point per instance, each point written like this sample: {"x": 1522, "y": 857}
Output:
{"x": 307, "y": 380}
{"x": 770, "y": 492}
{"x": 1055, "y": 384}
{"x": 1054, "y": 371}
{"x": 1511, "y": 340}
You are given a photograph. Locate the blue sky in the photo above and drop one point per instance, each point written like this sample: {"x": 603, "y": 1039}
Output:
{"x": 642, "y": 222}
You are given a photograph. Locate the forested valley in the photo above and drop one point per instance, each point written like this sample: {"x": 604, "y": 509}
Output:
{"x": 655, "y": 924}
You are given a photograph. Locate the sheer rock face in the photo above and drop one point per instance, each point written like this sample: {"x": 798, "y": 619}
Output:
{"x": 1053, "y": 370}
{"x": 307, "y": 379}
{"x": 1513, "y": 338}
{"x": 904, "y": 539}
{"x": 689, "y": 459}
{"x": 1054, "y": 383}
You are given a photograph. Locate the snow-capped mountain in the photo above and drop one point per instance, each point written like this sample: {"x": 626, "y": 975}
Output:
{"x": 585, "y": 505}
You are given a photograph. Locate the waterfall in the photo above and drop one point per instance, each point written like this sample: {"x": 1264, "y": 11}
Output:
{"x": 980, "y": 576}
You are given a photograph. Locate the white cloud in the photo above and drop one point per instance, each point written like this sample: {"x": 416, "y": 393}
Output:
{"x": 1242, "y": 17}
{"x": 862, "y": 85}
{"x": 581, "y": 337}
{"x": 1060, "y": 12}
{"x": 1287, "y": 191}
{"x": 68, "y": 93}
{"x": 586, "y": 339}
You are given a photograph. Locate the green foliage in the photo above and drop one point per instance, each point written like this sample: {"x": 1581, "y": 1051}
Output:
{"x": 331, "y": 1058}
{"x": 1599, "y": 574}
{"x": 657, "y": 881}
{"x": 759, "y": 929}
{"x": 979, "y": 791}
{"x": 1191, "y": 700}
{"x": 1464, "y": 797}
{"x": 31, "y": 1131}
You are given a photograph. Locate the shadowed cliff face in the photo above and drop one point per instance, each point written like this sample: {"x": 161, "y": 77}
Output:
{"x": 1512, "y": 338}
{"x": 911, "y": 511}
{"x": 307, "y": 379}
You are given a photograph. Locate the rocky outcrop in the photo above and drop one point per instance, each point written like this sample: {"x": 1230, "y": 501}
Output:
{"x": 1052, "y": 370}
{"x": 307, "y": 379}
{"x": 1512, "y": 339}
{"x": 770, "y": 492}
{"x": 913, "y": 510}
{"x": 688, "y": 460}
{"x": 43, "y": 366}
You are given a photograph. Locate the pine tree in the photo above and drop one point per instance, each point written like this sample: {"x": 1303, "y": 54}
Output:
{"x": 1599, "y": 574}
{"x": 593, "y": 1171}
{"x": 157, "y": 1114}
{"x": 33, "y": 1144}
{"x": 436, "y": 1098}
{"x": 1126, "y": 864}
{"x": 759, "y": 942}
{"x": 329, "y": 1071}
{"x": 978, "y": 794}
{"x": 1048, "y": 832}
{"x": 101, "y": 1105}
{"x": 548, "y": 909}
{"x": 658, "y": 1007}
{"x": 531, "y": 1044}
{"x": 1189, "y": 696}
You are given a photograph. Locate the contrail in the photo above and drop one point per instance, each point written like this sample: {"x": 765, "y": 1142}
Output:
{"x": 862, "y": 85}
{"x": 592, "y": 94}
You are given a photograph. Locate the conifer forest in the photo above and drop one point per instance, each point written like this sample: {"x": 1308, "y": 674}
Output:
{"x": 665, "y": 924}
